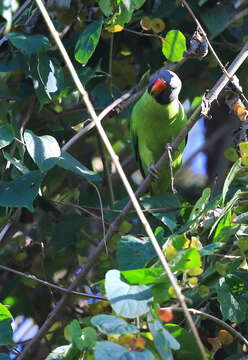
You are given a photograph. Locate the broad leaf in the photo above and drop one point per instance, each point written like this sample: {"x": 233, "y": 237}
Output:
{"x": 174, "y": 45}
{"x": 50, "y": 74}
{"x": 68, "y": 162}
{"x": 106, "y": 6}
{"x": 127, "y": 300}
{"x": 17, "y": 163}
{"x": 163, "y": 340}
{"x": 188, "y": 347}
{"x": 134, "y": 253}
{"x": 6, "y": 135}
{"x": 5, "y": 326}
{"x": 186, "y": 259}
{"x": 88, "y": 41}
{"x": 168, "y": 209}
{"x": 43, "y": 149}
{"x": 232, "y": 299}
{"x": 60, "y": 353}
{"x": 142, "y": 276}
{"x": 22, "y": 191}
{"x": 229, "y": 179}
{"x": 29, "y": 44}
{"x": 109, "y": 324}
{"x": 108, "y": 350}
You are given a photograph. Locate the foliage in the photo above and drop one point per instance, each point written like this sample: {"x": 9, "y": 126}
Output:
{"x": 56, "y": 204}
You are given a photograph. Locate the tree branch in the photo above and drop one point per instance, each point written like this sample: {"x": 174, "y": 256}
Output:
{"x": 50, "y": 285}
{"x": 217, "y": 321}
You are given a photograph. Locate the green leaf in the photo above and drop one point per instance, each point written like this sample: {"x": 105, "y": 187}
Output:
{"x": 186, "y": 259}
{"x": 163, "y": 340}
{"x": 106, "y": 6}
{"x": 109, "y": 324}
{"x": 230, "y": 177}
{"x": 6, "y": 135}
{"x": 142, "y": 276}
{"x": 242, "y": 218}
{"x": 5, "y": 326}
{"x": 88, "y": 41}
{"x": 66, "y": 232}
{"x": 174, "y": 45}
{"x": 233, "y": 303}
{"x": 200, "y": 204}
{"x": 29, "y": 44}
{"x": 50, "y": 74}
{"x": 134, "y": 253}
{"x": 82, "y": 339}
{"x": 108, "y": 350}
{"x": 217, "y": 18}
{"x": 188, "y": 346}
{"x": 171, "y": 210}
{"x": 7, "y": 8}
{"x": 43, "y": 149}
{"x": 17, "y": 163}
{"x": 127, "y": 4}
{"x": 60, "y": 353}
{"x": 68, "y": 162}
{"x": 22, "y": 191}
{"x": 127, "y": 300}
{"x": 211, "y": 249}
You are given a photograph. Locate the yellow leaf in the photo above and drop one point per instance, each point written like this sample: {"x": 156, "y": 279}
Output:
{"x": 193, "y": 281}
{"x": 115, "y": 28}
{"x": 170, "y": 252}
{"x": 195, "y": 272}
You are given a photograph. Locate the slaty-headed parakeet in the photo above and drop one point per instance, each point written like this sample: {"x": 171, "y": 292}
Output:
{"x": 156, "y": 119}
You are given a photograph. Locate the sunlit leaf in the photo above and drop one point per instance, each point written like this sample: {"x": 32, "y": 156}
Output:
{"x": 127, "y": 300}
{"x": 174, "y": 45}
{"x": 6, "y": 135}
{"x": 43, "y": 149}
{"x": 5, "y": 326}
{"x": 88, "y": 41}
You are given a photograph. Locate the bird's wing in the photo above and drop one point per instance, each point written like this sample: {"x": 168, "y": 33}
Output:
{"x": 135, "y": 142}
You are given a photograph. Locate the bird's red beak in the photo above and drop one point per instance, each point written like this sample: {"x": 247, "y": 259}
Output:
{"x": 158, "y": 87}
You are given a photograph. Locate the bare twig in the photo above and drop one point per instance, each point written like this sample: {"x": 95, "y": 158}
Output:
{"x": 50, "y": 285}
{"x": 123, "y": 99}
{"x": 218, "y": 321}
{"x": 124, "y": 179}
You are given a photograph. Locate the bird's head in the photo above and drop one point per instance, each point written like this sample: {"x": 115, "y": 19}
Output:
{"x": 165, "y": 87}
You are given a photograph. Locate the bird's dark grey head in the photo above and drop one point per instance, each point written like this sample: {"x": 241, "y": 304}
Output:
{"x": 165, "y": 87}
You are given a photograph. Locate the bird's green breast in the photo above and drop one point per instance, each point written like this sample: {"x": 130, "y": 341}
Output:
{"x": 153, "y": 126}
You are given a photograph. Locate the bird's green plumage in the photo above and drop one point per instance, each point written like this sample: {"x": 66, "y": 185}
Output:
{"x": 153, "y": 126}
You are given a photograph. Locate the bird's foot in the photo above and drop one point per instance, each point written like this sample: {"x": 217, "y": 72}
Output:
{"x": 154, "y": 172}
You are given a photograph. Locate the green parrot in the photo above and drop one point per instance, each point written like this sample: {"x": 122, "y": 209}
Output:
{"x": 156, "y": 119}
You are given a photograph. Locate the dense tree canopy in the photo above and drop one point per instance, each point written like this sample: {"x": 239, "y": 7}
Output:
{"x": 74, "y": 256}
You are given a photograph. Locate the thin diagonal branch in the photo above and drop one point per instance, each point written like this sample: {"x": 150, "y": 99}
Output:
{"x": 123, "y": 177}
{"x": 51, "y": 285}
{"x": 230, "y": 77}
{"x": 218, "y": 321}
